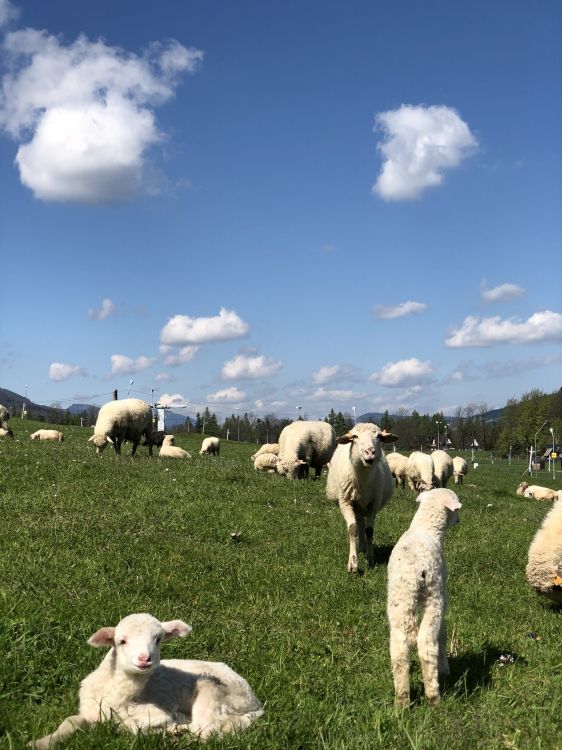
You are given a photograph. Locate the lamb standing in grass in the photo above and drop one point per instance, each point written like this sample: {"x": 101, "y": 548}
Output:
{"x": 397, "y": 463}
{"x": 55, "y": 435}
{"x": 420, "y": 472}
{"x": 417, "y": 580}
{"x": 169, "y": 450}
{"x": 460, "y": 469}
{"x": 442, "y": 467}
{"x": 305, "y": 445}
{"x": 544, "y": 567}
{"x": 266, "y": 462}
{"x": 210, "y": 446}
{"x": 359, "y": 480}
{"x": 540, "y": 493}
{"x": 118, "y": 421}
{"x": 174, "y": 695}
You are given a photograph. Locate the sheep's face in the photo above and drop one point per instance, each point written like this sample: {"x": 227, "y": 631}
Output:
{"x": 136, "y": 641}
{"x": 168, "y": 440}
{"x": 292, "y": 469}
{"x": 366, "y": 442}
{"x": 100, "y": 441}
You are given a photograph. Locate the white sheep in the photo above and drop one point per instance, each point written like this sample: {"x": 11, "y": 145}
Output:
{"x": 266, "y": 448}
{"x": 359, "y": 480}
{"x": 460, "y": 469}
{"x": 4, "y": 417}
{"x": 417, "y": 581}
{"x": 540, "y": 493}
{"x": 442, "y": 467}
{"x": 48, "y": 435}
{"x": 169, "y": 450}
{"x": 210, "y": 446}
{"x": 419, "y": 472}
{"x": 305, "y": 445}
{"x": 521, "y": 488}
{"x": 128, "y": 419}
{"x": 266, "y": 462}
{"x": 6, "y": 432}
{"x": 397, "y": 463}
{"x": 544, "y": 566}
{"x": 144, "y": 693}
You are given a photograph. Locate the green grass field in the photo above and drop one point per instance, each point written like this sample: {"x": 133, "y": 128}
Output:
{"x": 85, "y": 540}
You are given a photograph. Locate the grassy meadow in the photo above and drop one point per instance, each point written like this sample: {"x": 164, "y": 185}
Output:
{"x": 85, "y": 540}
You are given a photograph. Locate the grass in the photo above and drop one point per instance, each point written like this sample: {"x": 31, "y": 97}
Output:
{"x": 86, "y": 540}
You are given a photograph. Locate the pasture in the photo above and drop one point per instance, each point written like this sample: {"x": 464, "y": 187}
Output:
{"x": 85, "y": 540}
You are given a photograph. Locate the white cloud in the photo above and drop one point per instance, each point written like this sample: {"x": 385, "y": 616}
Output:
{"x": 182, "y": 329}
{"x": 501, "y": 293}
{"x": 122, "y": 365}
{"x": 164, "y": 377}
{"x": 89, "y": 110}
{"x": 228, "y": 395}
{"x": 332, "y": 373}
{"x": 328, "y": 395}
{"x": 386, "y": 312}
{"x": 508, "y": 368}
{"x": 405, "y": 373}
{"x": 541, "y": 326}
{"x": 172, "y": 358}
{"x": 244, "y": 367}
{"x": 61, "y": 371}
{"x": 8, "y": 12}
{"x": 419, "y": 144}
{"x": 259, "y": 403}
{"x": 107, "y": 308}
{"x": 173, "y": 400}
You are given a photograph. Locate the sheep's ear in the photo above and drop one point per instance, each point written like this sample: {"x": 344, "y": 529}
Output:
{"x": 422, "y": 496}
{"x": 387, "y": 437}
{"x": 109, "y": 440}
{"x": 452, "y": 501}
{"x": 347, "y": 438}
{"x": 175, "y": 628}
{"x": 103, "y": 637}
{"x": 91, "y": 438}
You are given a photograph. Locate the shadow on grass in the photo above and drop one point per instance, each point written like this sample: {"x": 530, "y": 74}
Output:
{"x": 472, "y": 670}
{"x": 382, "y": 553}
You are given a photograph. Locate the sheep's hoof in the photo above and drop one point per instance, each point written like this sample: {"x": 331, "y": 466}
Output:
{"x": 352, "y": 567}
{"x": 434, "y": 700}
{"x": 402, "y": 701}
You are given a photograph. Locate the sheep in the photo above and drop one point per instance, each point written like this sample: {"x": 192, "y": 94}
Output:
{"x": 210, "y": 446}
{"x": 521, "y": 488}
{"x": 6, "y": 432}
{"x": 266, "y": 448}
{"x": 118, "y": 421}
{"x": 47, "y": 435}
{"x": 156, "y": 437}
{"x": 359, "y": 480}
{"x": 460, "y": 468}
{"x": 417, "y": 580}
{"x": 4, "y": 417}
{"x": 442, "y": 467}
{"x": 304, "y": 445}
{"x": 169, "y": 450}
{"x": 540, "y": 493}
{"x": 266, "y": 462}
{"x": 544, "y": 566}
{"x": 145, "y": 693}
{"x": 397, "y": 463}
{"x": 419, "y": 472}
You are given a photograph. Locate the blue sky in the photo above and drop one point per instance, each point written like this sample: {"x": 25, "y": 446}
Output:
{"x": 267, "y": 205}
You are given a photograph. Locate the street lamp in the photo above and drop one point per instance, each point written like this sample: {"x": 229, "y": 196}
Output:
{"x": 354, "y": 419}
{"x": 437, "y": 423}
{"x": 238, "y": 418}
{"x": 446, "y": 440}
{"x": 298, "y": 412}
{"x": 131, "y": 381}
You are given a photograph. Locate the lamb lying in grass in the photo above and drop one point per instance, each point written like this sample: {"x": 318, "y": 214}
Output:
{"x": 169, "y": 450}
{"x": 521, "y": 488}
{"x": 417, "y": 580}
{"x": 133, "y": 686}
{"x": 540, "y": 493}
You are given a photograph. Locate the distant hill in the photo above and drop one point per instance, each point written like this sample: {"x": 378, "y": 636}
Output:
{"x": 14, "y": 401}
{"x": 375, "y": 416}
{"x": 79, "y": 408}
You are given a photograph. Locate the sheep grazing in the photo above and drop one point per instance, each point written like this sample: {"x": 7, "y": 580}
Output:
{"x": 4, "y": 417}
{"x": 169, "y": 450}
{"x": 417, "y": 580}
{"x": 266, "y": 462}
{"x": 133, "y": 685}
{"x": 210, "y": 446}
{"x": 359, "y": 480}
{"x": 6, "y": 432}
{"x": 305, "y": 445}
{"x": 544, "y": 567}
{"x": 442, "y": 467}
{"x": 460, "y": 469}
{"x": 540, "y": 493}
{"x": 129, "y": 419}
{"x": 266, "y": 448}
{"x": 54, "y": 435}
{"x": 419, "y": 472}
{"x": 397, "y": 464}
{"x": 521, "y": 488}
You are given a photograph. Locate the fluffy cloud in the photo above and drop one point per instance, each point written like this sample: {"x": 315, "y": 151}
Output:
{"x": 164, "y": 377}
{"x": 226, "y": 395}
{"x": 172, "y": 358}
{"x": 406, "y": 372}
{"x": 107, "y": 308}
{"x": 386, "y": 312}
{"x": 122, "y": 365}
{"x": 332, "y": 373}
{"x": 61, "y": 371}
{"x": 340, "y": 395}
{"x": 89, "y": 110}
{"x": 540, "y": 327}
{"x": 182, "y": 329}
{"x": 419, "y": 144}
{"x": 501, "y": 293}
{"x": 173, "y": 400}
{"x": 245, "y": 367}
{"x": 8, "y": 12}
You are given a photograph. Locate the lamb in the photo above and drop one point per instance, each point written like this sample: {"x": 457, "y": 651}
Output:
{"x": 544, "y": 566}
{"x": 169, "y": 450}
{"x": 48, "y": 435}
{"x": 4, "y": 417}
{"x": 304, "y": 445}
{"x": 521, "y": 488}
{"x": 129, "y": 419}
{"x": 540, "y": 493}
{"x": 266, "y": 462}
{"x": 210, "y": 446}
{"x": 397, "y": 463}
{"x": 419, "y": 472}
{"x": 266, "y": 448}
{"x": 442, "y": 467}
{"x": 359, "y": 480}
{"x": 156, "y": 437}
{"x": 460, "y": 469}
{"x": 6, "y": 432}
{"x": 417, "y": 580}
{"x": 144, "y": 693}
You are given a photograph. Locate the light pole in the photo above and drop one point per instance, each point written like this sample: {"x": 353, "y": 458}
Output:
{"x": 535, "y": 441}
{"x": 238, "y": 419}
{"x": 437, "y": 423}
{"x": 23, "y": 409}
{"x": 298, "y": 412}
{"x": 446, "y": 440}
{"x": 131, "y": 381}
{"x": 354, "y": 418}
{"x": 552, "y": 457}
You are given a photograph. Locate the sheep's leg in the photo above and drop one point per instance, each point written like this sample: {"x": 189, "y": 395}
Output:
{"x": 349, "y": 517}
{"x": 369, "y": 536}
{"x": 360, "y": 521}
{"x": 443, "y": 663}
{"x": 429, "y": 648}
{"x": 68, "y": 727}
{"x": 400, "y": 659}
{"x": 134, "y": 448}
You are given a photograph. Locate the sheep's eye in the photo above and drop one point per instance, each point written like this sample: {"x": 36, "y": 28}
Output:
{"x": 122, "y": 641}
{"x": 159, "y": 639}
